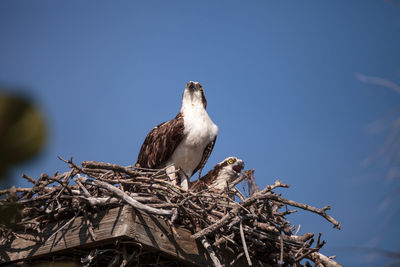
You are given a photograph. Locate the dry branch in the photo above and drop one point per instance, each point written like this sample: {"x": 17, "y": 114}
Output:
{"x": 134, "y": 203}
{"x": 211, "y": 252}
{"x": 254, "y": 228}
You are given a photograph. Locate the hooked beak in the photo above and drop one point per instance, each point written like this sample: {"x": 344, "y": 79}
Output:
{"x": 191, "y": 86}
{"x": 238, "y": 168}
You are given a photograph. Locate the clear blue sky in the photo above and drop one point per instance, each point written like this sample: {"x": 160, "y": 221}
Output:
{"x": 279, "y": 77}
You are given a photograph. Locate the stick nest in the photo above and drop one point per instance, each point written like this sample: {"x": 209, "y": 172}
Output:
{"x": 254, "y": 226}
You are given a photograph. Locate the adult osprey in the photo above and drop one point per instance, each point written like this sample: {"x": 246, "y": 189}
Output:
{"x": 185, "y": 141}
{"x": 223, "y": 173}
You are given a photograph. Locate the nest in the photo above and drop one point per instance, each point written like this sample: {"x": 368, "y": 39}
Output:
{"x": 252, "y": 225}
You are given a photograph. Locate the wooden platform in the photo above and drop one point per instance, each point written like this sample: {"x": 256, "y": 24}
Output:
{"x": 109, "y": 226}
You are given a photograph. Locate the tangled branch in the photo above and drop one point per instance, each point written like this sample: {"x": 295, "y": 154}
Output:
{"x": 254, "y": 227}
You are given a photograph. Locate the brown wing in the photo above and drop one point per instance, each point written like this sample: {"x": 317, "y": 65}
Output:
{"x": 160, "y": 143}
{"x": 198, "y": 186}
{"x": 207, "y": 180}
{"x": 206, "y": 155}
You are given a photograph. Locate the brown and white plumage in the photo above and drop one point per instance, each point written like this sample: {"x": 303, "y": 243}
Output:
{"x": 223, "y": 173}
{"x": 185, "y": 141}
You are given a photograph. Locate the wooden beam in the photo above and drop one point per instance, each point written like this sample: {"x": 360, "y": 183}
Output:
{"x": 115, "y": 224}
{"x": 108, "y": 226}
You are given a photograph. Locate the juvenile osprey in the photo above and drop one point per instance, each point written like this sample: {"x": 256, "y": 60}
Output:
{"x": 185, "y": 141}
{"x": 224, "y": 172}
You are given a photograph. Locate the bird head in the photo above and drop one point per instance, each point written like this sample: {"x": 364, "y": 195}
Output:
{"x": 233, "y": 166}
{"x": 194, "y": 94}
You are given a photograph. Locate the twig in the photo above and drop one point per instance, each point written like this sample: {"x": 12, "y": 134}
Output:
{"x": 254, "y": 227}
{"x": 210, "y": 252}
{"x": 321, "y": 212}
{"x": 106, "y": 166}
{"x": 298, "y": 229}
{"x": 281, "y": 250}
{"x": 30, "y": 179}
{"x": 126, "y": 198}
{"x": 210, "y": 229}
{"x": 246, "y": 252}
{"x": 326, "y": 261}
{"x": 85, "y": 191}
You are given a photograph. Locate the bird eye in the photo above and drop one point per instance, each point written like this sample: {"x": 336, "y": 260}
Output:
{"x": 201, "y": 88}
{"x": 230, "y": 161}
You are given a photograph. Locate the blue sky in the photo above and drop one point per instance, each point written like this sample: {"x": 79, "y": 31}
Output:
{"x": 279, "y": 77}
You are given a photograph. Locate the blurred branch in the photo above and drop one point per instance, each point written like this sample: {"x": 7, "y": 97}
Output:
{"x": 378, "y": 81}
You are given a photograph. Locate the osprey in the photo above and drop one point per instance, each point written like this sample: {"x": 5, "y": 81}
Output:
{"x": 223, "y": 173}
{"x": 185, "y": 141}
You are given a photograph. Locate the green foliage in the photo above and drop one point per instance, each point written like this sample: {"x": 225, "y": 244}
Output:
{"x": 22, "y": 130}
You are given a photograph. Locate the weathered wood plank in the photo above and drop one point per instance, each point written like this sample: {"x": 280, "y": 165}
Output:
{"x": 118, "y": 223}
{"x": 155, "y": 233}
{"x": 108, "y": 226}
